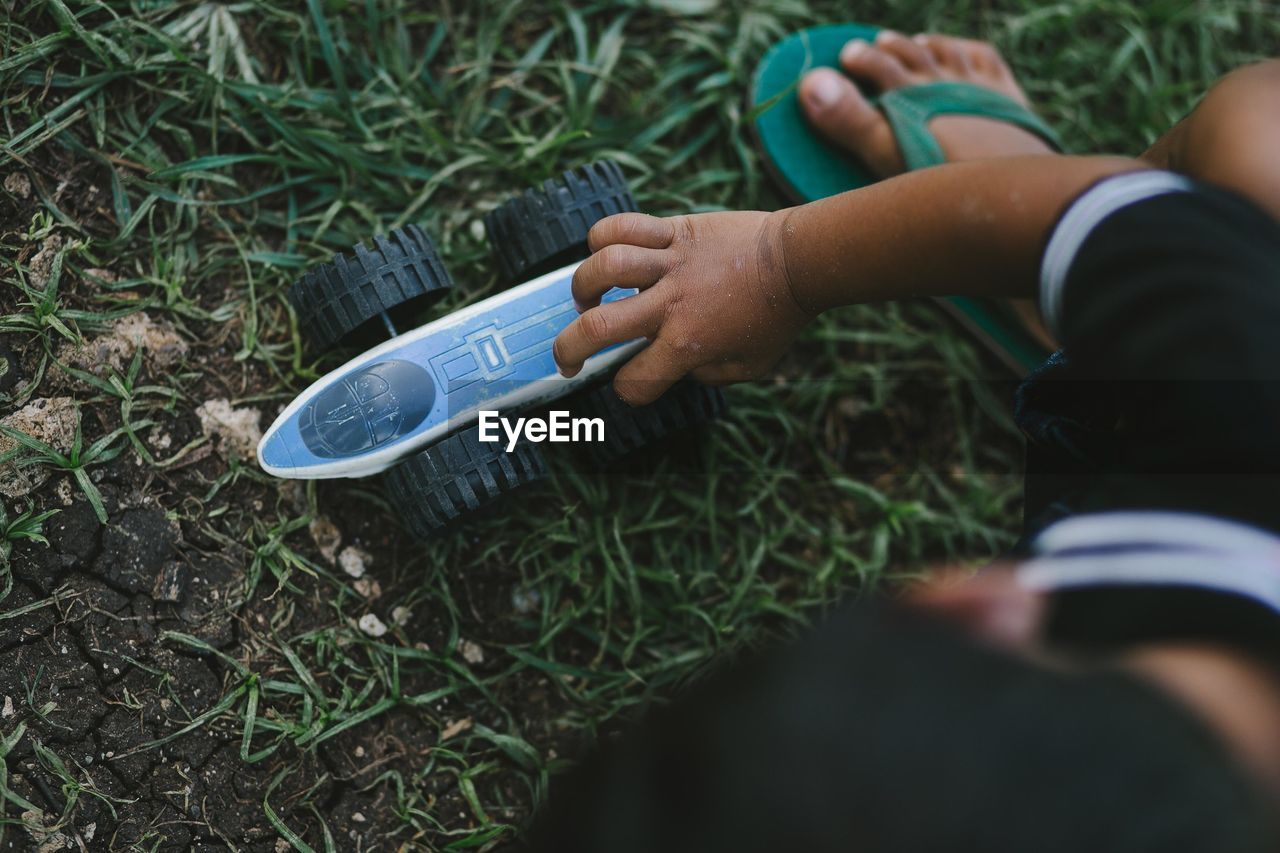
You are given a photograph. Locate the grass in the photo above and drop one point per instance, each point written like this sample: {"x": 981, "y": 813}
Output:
{"x": 193, "y": 158}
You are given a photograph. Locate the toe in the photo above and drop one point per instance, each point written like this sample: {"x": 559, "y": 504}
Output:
{"x": 948, "y": 53}
{"x": 914, "y": 56}
{"x": 867, "y": 62}
{"x": 984, "y": 57}
{"x": 833, "y": 104}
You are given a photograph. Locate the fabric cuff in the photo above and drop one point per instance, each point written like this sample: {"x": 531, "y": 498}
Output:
{"x": 1149, "y": 548}
{"x": 1084, "y": 215}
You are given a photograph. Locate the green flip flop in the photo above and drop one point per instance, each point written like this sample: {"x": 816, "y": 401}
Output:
{"x": 808, "y": 167}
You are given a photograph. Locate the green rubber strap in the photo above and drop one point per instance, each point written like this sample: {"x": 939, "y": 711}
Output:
{"x": 910, "y": 109}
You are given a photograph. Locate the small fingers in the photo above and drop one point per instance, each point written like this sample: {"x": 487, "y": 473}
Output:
{"x": 635, "y": 229}
{"x": 652, "y": 371}
{"x": 617, "y": 265}
{"x": 619, "y": 321}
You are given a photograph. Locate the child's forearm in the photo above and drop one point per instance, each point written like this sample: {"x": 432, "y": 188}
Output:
{"x": 723, "y": 294}
{"x": 965, "y": 229}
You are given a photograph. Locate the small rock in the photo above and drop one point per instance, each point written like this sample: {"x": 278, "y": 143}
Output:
{"x": 40, "y": 267}
{"x": 51, "y": 420}
{"x": 471, "y": 652}
{"x": 525, "y": 600}
{"x": 171, "y": 585}
{"x": 372, "y": 625}
{"x": 115, "y": 348}
{"x": 354, "y": 561}
{"x": 237, "y": 431}
{"x": 357, "y": 817}
{"x": 102, "y": 275}
{"x": 456, "y": 728}
{"x": 10, "y": 368}
{"x": 43, "y": 830}
{"x": 7, "y": 710}
{"x": 18, "y": 184}
{"x": 327, "y": 537}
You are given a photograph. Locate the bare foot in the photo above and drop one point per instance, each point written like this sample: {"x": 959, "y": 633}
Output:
{"x": 838, "y": 109}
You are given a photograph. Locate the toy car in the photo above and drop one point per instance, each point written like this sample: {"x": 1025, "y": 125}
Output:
{"x": 409, "y": 405}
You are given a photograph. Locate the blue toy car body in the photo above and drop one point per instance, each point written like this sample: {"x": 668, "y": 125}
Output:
{"x": 421, "y": 386}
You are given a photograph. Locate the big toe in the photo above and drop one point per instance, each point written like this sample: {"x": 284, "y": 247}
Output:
{"x": 833, "y": 105}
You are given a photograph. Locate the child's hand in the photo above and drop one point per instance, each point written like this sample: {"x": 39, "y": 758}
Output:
{"x": 714, "y": 299}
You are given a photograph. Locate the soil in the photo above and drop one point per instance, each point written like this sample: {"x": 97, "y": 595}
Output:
{"x": 89, "y": 671}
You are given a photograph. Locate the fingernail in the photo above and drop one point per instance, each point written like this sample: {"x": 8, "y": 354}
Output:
{"x": 823, "y": 89}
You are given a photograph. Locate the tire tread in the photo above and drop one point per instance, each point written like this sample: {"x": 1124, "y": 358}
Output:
{"x": 458, "y": 476}
{"x": 535, "y": 231}
{"x": 335, "y": 298}
{"x": 685, "y": 406}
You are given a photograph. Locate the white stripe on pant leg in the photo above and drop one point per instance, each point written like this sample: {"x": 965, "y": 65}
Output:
{"x": 1180, "y": 529}
{"x": 1082, "y": 217}
{"x": 1257, "y": 581}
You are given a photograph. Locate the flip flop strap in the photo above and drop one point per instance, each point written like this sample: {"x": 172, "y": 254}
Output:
{"x": 910, "y": 108}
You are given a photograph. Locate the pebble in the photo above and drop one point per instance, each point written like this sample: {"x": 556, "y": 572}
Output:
{"x": 471, "y": 652}
{"x": 354, "y": 561}
{"x": 372, "y": 625}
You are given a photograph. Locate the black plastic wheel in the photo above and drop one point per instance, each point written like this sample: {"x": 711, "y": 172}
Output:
{"x": 685, "y": 406}
{"x": 342, "y": 296}
{"x": 545, "y": 228}
{"x": 460, "y": 476}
